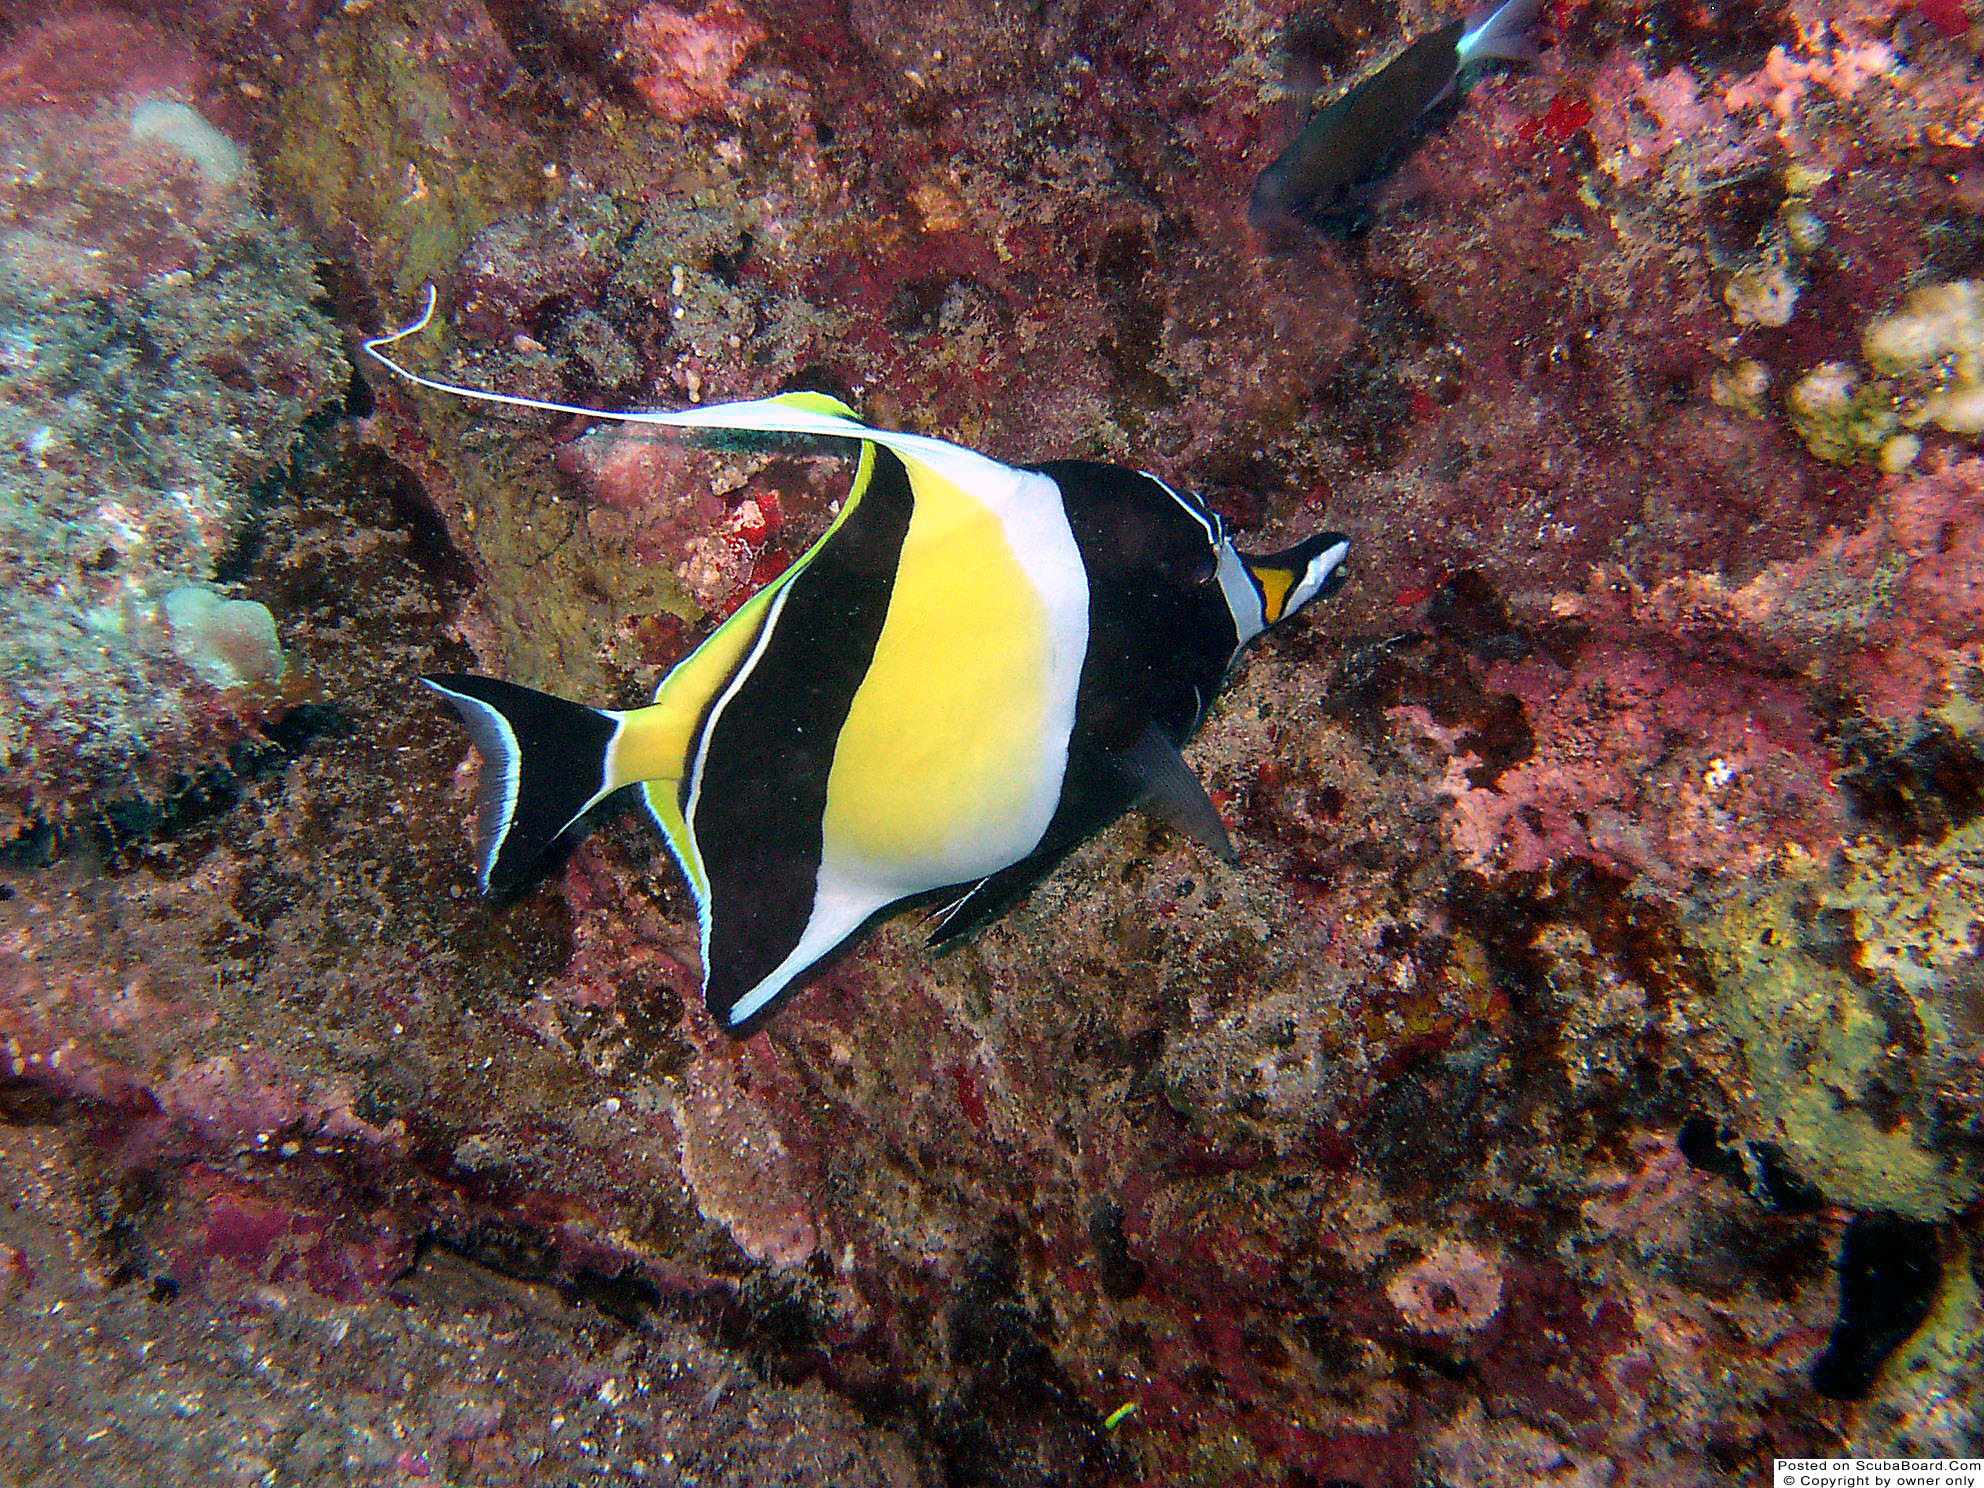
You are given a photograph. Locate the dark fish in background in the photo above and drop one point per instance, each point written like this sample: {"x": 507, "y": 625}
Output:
{"x": 1327, "y": 176}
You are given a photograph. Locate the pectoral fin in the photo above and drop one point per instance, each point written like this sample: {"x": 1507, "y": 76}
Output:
{"x": 1167, "y": 786}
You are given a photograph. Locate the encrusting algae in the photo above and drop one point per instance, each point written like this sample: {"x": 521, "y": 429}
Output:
{"x": 1934, "y": 347}
{"x": 1928, "y": 361}
{"x": 1520, "y": 1107}
{"x": 1845, "y": 989}
{"x": 1852, "y": 987}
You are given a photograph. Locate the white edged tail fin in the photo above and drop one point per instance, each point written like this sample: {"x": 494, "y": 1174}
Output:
{"x": 545, "y": 763}
{"x": 1503, "y": 32}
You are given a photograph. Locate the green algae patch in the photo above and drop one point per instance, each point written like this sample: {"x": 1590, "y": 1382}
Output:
{"x": 414, "y": 138}
{"x": 1949, "y": 1344}
{"x": 555, "y": 595}
{"x": 1840, "y": 417}
{"x": 1842, "y": 986}
{"x": 373, "y": 141}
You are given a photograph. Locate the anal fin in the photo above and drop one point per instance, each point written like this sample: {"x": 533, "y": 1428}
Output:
{"x": 1167, "y": 786}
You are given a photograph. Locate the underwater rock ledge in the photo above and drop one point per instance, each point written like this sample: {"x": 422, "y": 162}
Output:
{"x": 1585, "y": 1049}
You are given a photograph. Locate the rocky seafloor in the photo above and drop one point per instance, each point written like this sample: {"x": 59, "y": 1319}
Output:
{"x": 1576, "y": 1081}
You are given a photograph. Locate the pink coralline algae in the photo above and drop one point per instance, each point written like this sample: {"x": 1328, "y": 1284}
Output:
{"x": 1703, "y": 751}
{"x": 1453, "y": 1289}
{"x": 1644, "y": 761}
{"x": 78, "y": 62}
{"x": 1598, "y": 983}
{"x": 654, "y": 498}
{"x": 1888, "y": 613}
{"x": 682, "y": 63}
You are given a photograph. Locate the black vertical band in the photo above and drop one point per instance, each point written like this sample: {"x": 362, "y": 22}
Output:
{"x": 761, "y": 797}
{"x": 1160, "y": 636}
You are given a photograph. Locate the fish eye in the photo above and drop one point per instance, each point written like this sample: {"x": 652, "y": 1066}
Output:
{"x": 1199, "y": 568}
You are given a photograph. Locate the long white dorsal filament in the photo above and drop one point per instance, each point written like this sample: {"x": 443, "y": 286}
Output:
{"x": 782, "y": 415}
{"x": 763, "y": 415}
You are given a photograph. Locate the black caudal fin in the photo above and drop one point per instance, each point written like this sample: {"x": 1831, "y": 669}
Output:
{"x": 544, "y": 765}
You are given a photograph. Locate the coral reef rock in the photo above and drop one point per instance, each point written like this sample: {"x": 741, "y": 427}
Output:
{"x": 159, "y": 353}
{"x": 1576, "y": 1079}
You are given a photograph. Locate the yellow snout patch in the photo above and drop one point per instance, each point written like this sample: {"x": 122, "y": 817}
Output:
{"x": 1275, "y": 586}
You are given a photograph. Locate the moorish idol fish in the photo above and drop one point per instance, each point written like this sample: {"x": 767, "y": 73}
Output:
{"x": 1327, "y": 176}
{"x": 977, "y": 666}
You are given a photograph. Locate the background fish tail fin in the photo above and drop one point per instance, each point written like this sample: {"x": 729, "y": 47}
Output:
{"x": 1504, "y": 30}
{"x": 545, "y": 763}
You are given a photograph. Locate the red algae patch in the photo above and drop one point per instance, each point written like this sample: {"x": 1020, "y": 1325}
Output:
{"x": 76, "y": 63}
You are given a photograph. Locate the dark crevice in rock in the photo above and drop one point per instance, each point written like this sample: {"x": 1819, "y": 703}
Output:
{"x": 1914, "y": 789}
{"x": 1127, "y": 277}
{"x": 1730, "y": 38}
{"x": 1013, "y": 1416}
{"x": 122, "y": 830}
{"x": 1890, "y": 1269}
{"x": 1368, "y": 398}
{"x": 1121, "y": 1273}
{"x": 1760, "y": 1169}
